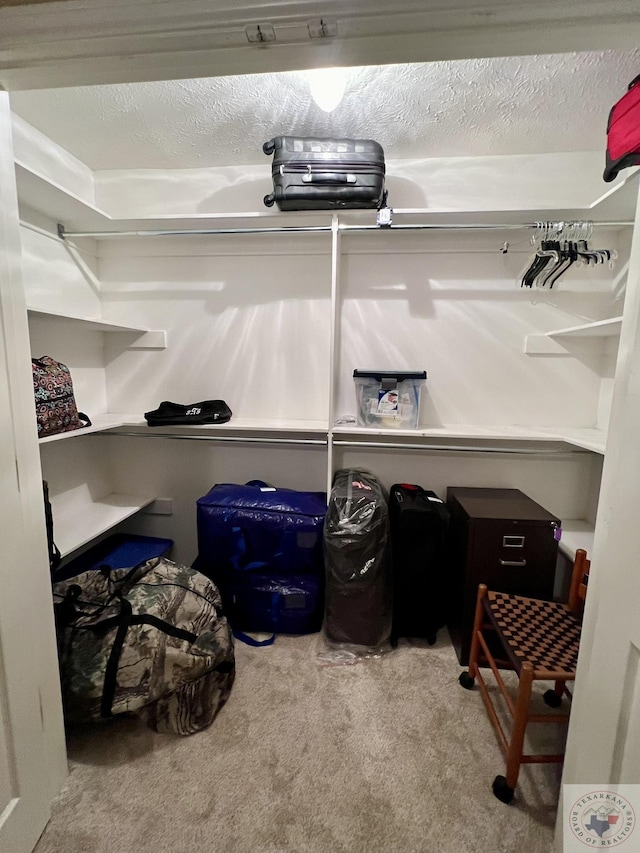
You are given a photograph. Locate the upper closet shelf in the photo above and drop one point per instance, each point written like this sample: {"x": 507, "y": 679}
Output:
{"x": 53, "y": 200}
{"x": 77, "y": 215}
{"x": 145, "y": 338}
{"x": 549, "y": 343}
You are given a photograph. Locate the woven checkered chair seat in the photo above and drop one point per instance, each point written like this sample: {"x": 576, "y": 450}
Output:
{"x": 544, "y": 633}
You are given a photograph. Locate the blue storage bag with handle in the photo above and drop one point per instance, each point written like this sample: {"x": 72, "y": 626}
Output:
{"x": 262, "y": 547}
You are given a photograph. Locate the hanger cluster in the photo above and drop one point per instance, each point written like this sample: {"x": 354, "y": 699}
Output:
{"x": 560, "y": 246}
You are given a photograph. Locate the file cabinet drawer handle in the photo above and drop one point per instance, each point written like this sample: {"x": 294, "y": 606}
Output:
{"x": 513, "y": 562}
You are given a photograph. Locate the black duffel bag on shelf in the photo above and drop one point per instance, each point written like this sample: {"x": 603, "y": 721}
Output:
{"x": 193, "y": 414}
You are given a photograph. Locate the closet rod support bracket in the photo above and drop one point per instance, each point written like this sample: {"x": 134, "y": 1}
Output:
{"x": 61, "y": 233}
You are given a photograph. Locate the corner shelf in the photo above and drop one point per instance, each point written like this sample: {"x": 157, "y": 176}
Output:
{"x": 548, "y": 343}
{"x": 77, "y": 519}
{"x": 40, "y": 193}
{"x": 98, "y": 424}
{"x": 145, "y": 338}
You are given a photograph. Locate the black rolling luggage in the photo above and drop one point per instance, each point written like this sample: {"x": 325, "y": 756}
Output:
{"x": 418, "y": 522}
{"x": 358, "y": 608}
{"x": 323, "y": 174}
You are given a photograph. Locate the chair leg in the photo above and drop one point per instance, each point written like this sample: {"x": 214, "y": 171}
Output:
{"x": 523, "y": 700}
{"x": 477, "y": 624}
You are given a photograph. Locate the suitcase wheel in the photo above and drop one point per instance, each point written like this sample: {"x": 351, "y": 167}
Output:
{"x": 269, "y": 147}
{"x": 269, "y": 200}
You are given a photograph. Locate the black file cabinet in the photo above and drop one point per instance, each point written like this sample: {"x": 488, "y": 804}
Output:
{"x": 502, "y": 538}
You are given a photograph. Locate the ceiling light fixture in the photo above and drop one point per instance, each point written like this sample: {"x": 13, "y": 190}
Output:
{"x": 327, "y": 87}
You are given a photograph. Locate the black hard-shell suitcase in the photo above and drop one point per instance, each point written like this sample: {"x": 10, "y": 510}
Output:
{"x": 324, "y": 174}
{"x": 418, "y": 522}
{"x": 358, "y": 597}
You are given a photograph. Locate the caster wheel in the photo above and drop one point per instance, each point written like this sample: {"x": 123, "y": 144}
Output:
{"x": 501, "y": 790}
{"x": 269, "y": 200}
{"x": 431, "y": 639}
{"x": 269, "y": 148}
{"x": 466, "y": 681}
{"x": 552, "y": 699}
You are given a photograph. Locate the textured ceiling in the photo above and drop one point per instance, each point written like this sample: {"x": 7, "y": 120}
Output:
{"x": 511, "y": 105}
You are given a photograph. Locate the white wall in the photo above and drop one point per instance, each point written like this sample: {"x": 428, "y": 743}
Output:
{"x": 58, "y": 276}
{"x": 186, "y": 470}
{"x": 247, "y": 321}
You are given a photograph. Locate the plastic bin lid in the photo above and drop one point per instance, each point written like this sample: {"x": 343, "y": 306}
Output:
{"x": 400, "y": 375}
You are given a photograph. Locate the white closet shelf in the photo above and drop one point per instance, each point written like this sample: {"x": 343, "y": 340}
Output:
{"x": 99, "y": 423}
{"x": 39, "y": 193}
{"x": 586, "y": 439}
{"x": 51, "y": 199}
{"x": 78, "y": 519}
{"x": 235, "y": 428}
{"x": 250, "y": 429}
{"x": 549, "y": 342}
{"x": 146, "y": 338}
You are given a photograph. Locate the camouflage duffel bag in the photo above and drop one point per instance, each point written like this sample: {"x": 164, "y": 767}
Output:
{"x": 151, "y": 641}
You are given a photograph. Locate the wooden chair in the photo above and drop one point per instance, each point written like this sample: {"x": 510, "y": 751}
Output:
{"x": 540, "y": 642}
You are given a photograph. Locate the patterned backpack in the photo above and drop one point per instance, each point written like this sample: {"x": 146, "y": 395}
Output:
{"x": 56, "y": 409}
{"x": 151, "y": 641}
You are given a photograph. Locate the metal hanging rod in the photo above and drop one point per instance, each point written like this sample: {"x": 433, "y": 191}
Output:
{"x": 322, "y": 442}
{"x": 448, "y": 448}
{"x": 315, "y": 229}
{"x": 197, "y": 232}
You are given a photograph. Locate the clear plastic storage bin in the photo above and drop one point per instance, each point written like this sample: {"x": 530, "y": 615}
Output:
{"x": 387, "y": 398}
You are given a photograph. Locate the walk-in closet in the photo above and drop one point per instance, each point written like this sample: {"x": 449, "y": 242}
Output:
{"x": 149, "y": 265}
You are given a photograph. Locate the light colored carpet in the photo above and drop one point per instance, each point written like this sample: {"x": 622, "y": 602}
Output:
{"x": 385, "y": 756}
